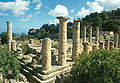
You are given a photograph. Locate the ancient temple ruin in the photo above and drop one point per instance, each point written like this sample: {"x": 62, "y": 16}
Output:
{"x": 46, "y": 64}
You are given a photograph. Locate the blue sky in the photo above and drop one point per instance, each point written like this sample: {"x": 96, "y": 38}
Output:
{"x": 26, "y": 14}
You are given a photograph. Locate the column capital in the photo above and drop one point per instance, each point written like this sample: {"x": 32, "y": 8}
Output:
{"x": 8, "y": 21}
{"x": 77, "y": 20}
{"x": 61, "y": 18}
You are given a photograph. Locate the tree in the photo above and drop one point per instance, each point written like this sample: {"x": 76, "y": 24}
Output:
{"x": 4, "y": 38}
{"x": 22, "y": 37}
{"x": 9, "y": 64}
{"x": 100, "y": 66}
{"x": 110, "y": 26}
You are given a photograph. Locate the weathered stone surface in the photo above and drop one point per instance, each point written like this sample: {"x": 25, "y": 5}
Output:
{"x": 90, "y": 35}
{"x": 76, "y": 39}
{"x": 62, "y": 40}
{"x": 116, "y": 39}
{"x": 9, "y": 34}
{"x": 111, "y": 44}
{"x": 14, "y": 45}
{"x": 107, "y": 44}
{"x": 46, "y": 54}
{"x": 97, "y": 35}
{"x": 84, "y": 34}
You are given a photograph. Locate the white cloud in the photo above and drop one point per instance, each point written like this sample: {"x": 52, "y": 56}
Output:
{"x": 92, "y": 7}
{"x": 3, "y": 14}
{"x": 55, "y": 21}
{"x": 18, "y": 7}
{"x": 36, "y": 13}
{"x": 72, "y": 10}
{"x": 38, "y": 6}
{"x": 59, "y": 10}
{"x": 36, "y": 1}
{"x": 83, "y": 12}
{"x": 110, "y": 4}
{"x": 27, "y": 18}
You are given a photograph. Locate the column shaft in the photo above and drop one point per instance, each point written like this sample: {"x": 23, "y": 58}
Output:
{"x": 97, "y": 35}
{"x": 90, "y": 35}
{"x": 76, "y": 39}
{"x": 62, "y": 40}
{"x": 116, "y": 39}
{"x": 9, "y": 34}
{"x": 84, "y": 34}
{"x": 46, "y": 54}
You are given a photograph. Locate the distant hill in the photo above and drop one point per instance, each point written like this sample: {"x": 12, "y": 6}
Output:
{"x": 107, "y": 20}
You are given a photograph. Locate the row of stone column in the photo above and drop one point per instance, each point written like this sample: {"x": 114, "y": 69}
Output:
{"x": 90, "y": 35}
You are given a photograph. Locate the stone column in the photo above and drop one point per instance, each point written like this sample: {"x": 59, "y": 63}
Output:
{"x": 14, "y": 45}
{"x": 97, "y": 35}
{"x": 9, "y": 34}
{"x": 90, "y": 35}
{"x": 84, "y": 34}
{"x": 111, "y": 44}
{"x": 76, "y": 38}
{"x": 116, "y": 38}
{"x": 107, "y": 44}
{"x": 119, "y": 37}
{"x": 46, "y": 54}
{"x": 102, "y": 45}
{"x": 62, "y": 40}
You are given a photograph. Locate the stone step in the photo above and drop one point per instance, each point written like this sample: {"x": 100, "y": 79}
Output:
{"x": 46, "y": 77}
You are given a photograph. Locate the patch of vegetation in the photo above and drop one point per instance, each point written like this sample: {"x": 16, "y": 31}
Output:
{"x": 100, "y": 66}
{"x": 25, "y": 49}
{"x": 56, "y": 45}
{"x": 9, "y": 64}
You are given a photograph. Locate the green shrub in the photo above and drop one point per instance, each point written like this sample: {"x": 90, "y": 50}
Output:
{"x": 100, "y": 66}
{"x": 56, "y": 45}
{"x": 25, "y": 49}
{"x": 9, "y": 64}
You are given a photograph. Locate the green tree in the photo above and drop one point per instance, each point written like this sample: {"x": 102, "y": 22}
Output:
{"x": 22, "y": 37}
{"x": 9, "y": 64}
{"x": 100, "y": 66}
{"x": 4, "y": 38}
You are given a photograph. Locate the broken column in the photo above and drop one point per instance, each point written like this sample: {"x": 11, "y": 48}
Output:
{"x": 116, "y": 38}
{"x": 62, "y": 40}
{"x": 9, "y": 34}
{"x": 97, "y": 35}
{"x": 107, "y": 44}
{"x": 76, "y": 39}
{"x": 84, "y": 34}
{"x": 14, "y": 45}
{"x": 90, "y": 35}
{"x": 46, "y": 54}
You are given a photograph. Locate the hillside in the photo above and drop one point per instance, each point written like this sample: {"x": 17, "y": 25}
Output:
{"x": 107, "y": 20}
